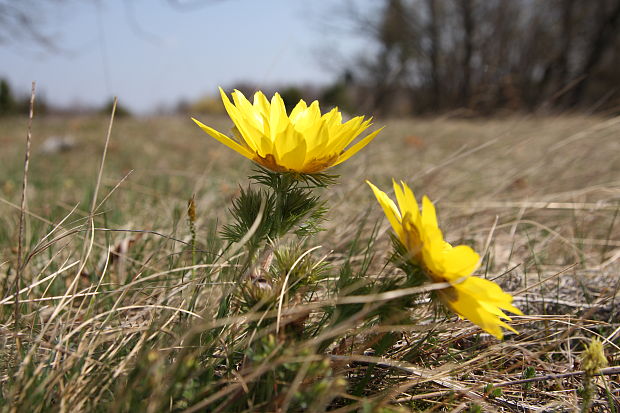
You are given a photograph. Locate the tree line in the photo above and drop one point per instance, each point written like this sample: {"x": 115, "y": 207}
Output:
{"x": 485, "y": 55}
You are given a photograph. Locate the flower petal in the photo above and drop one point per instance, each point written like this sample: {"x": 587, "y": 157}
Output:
{"x": 490, "y": 292}
{"x": 308, "y": 122}
{"x": 357, "y": 147}
{"x": 250, "y": 134}
{"x": 390, "y": 210}
{"x": 468, "y": 306}
{"x": 296, "y": 155}
{"x": 407, "y": 202}
{"x": 429, "y": 215}
{"x": 460, "y": 261}
{"x": 225, "y": 140}
{"x": 342, "y": 135}
{"x": 298, "y": 112}
{"x": 278, "y": 121}
{"x": 261, "y": 104}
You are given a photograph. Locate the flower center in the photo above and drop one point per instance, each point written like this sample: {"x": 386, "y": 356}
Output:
{"x": 310, "y": 167}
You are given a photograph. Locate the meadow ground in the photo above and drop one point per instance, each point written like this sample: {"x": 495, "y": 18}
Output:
{"x": 142, "y": 312}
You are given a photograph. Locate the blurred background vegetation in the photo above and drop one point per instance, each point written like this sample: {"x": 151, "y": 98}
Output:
{"x": 476, "y": 57}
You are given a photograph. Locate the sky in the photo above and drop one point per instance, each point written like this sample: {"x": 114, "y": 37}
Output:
{"x": 152, "y": 55}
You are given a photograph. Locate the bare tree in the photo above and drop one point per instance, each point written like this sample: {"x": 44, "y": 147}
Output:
{"x": 32, "y": 21}
{"x": 493, "y": 54}
{"x": 606, "y": 30}
{"x": 467, "y": 17}
{"x": 433, "y": 51}
{"x": 24, "y": 21}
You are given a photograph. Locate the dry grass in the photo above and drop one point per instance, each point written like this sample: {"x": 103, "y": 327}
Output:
{"x": 114, "y": 320}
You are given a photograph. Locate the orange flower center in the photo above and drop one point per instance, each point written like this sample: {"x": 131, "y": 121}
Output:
{"x": 310, "y": 167}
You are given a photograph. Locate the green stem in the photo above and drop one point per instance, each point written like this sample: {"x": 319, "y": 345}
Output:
{"x": 587, "y": 393}
{"x": 284, "y": 184}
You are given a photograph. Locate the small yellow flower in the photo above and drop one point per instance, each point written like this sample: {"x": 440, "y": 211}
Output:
{"x": 593, "y": 358}
{"x": 479, "y": 300}
{"x": 304, "y": 141}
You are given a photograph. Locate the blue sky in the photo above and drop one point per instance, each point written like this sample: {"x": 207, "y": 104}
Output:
{"x": 152, "y": 54}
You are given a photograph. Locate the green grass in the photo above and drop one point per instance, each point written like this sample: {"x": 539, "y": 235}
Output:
{"x": 137, "y": 316}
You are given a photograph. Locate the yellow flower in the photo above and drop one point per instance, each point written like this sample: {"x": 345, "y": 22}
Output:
{"x": 479, "y": 300}
{"x": 593, "y": 358}
{"x": 304, "y": 141}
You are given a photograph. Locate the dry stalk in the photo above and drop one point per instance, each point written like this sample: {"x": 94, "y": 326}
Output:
{"x": 22, "y": 217}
